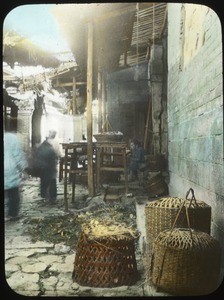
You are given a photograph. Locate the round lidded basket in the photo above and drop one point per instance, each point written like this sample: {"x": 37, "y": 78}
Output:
{"x": 161, "y": 214}
{"x": 185, "y": 262}
{"x": 105, "y": 255}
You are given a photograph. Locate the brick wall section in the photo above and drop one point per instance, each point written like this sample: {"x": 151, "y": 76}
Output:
{"x": 195, "y": 114}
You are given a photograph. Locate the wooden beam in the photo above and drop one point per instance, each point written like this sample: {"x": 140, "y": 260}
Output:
{"x": 104, "y": 104}
{"x": 113, "y": 14}
{"x": 74, "y": 104}
{"x": 147, "y": 126}
{"x": 67, "y": 84}
{"x": 123, "y": 11}
{"x": 99, "y": 93}
{"x": 89, "y": 110}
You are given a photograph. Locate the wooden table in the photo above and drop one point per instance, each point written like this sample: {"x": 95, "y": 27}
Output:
{"x": 110, "y": 156}
{"x": 69, "y": 166}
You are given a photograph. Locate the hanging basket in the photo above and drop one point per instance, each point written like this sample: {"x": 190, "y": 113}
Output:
{"x": 161, "y": 214}
{"x": 185, "y": 262}
{"x": 105, "y": 260}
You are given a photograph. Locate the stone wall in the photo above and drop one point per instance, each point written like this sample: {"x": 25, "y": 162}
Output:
{"x": 195, "y": 107}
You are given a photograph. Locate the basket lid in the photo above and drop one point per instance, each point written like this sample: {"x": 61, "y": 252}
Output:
{"x": 175, "y": 202}
{"x": 184, "y": 238}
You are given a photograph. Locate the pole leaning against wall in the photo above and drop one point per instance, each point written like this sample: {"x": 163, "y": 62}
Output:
{"x": 89, "y": 110}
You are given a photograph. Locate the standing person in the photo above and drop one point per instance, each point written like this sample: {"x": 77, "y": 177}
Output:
{"x": 48, "y": 155}
{"x": 137, "y": 158}
{"x": 14, "y": 164}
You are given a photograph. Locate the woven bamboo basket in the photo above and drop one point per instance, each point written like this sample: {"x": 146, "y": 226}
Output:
{"x": 185, "y": 262}
{"x": 105, "y": 260}
{"x": 157, "y": 186}
{"x": 161, "y": 214}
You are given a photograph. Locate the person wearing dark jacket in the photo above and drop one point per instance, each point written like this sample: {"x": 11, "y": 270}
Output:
{"x": 137, "y": 158}
{"x": 48, "y": 159}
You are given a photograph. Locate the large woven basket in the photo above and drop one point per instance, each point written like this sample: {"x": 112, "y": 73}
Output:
{"x": 105, "y": 261}
{"x": 161, "y": 214}
{"x": 185, "y": 262}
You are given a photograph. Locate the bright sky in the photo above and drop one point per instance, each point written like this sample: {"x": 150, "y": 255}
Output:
{"x": 36, "y": 22}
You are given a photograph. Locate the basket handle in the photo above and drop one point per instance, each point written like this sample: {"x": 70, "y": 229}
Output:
{"x": 172, "y": 228}
{"x": 178, "y": 214}
{"x": 192, "y": 198}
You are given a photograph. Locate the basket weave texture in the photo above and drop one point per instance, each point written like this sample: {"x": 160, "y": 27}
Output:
{"x": 161, "y": 214}
{"x": 185, "y": 262}
{"x": 105, "y": 261}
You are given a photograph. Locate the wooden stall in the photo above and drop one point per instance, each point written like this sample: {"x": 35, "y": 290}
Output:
{"x": 111, "y": 156}
{"x": 107, "y": 156}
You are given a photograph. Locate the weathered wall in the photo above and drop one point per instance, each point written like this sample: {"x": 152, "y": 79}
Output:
{"x": 127, "y": 100}
{"x": 157, "y": 86}
{"x": 195, "y": 107}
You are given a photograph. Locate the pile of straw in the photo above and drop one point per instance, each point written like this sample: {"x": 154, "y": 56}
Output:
{"x": 100, "y": 229}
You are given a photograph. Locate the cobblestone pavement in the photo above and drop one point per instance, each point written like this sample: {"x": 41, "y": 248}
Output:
{"x": 45, "y": 269}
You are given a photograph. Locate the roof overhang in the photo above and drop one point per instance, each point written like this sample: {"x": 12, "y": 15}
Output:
{"x": 21, "y": 50}
{"x": 122, "y": 31}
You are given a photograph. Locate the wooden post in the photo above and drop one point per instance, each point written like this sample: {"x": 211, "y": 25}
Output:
{"x": 104, "y": 106}
{"x": 89, "y": 111}
{"x": 66, "y": 179}
{"x": 74, "y": 106}
{"x": 125, "y": 58}
{"x": 99, "y": 101}
{"x": 147, "y": 126}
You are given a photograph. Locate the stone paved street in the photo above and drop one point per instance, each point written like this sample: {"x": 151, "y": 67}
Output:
{"x": 45, "y": 269}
